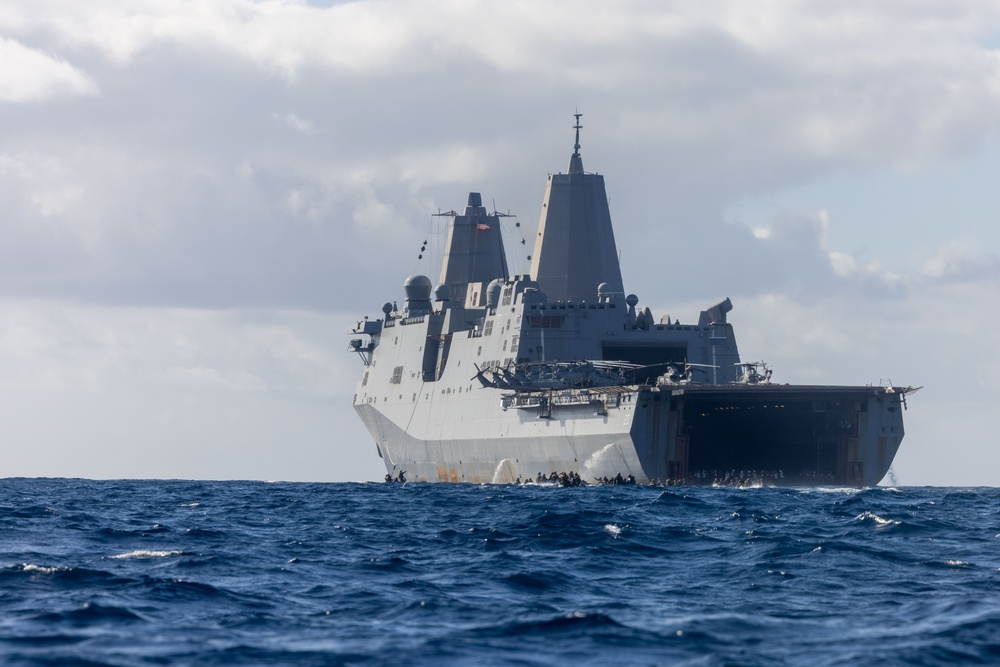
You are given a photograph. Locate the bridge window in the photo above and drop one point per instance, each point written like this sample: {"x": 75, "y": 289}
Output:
{"x": 546, "y": 321}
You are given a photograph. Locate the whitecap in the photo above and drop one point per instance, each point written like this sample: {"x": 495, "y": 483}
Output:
{"x": 612, "y": 530}
{"x": 146, "y": 553}
{"x": 41, "y": 569}
{"x": 870, "y": 516}
{"x": 846, "y": 490}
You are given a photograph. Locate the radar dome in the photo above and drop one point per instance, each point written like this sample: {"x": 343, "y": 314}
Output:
{"x": 417, "y": 290}
{"x": 442, "y": 292}
{"x": 417, "y": 287}
{"x": 602, "y": 291}
{"x": 493, "y": 293}
{"x": 631, "y": 300}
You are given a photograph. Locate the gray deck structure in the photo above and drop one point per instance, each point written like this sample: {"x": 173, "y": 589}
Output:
{"x": 491, "y": 378}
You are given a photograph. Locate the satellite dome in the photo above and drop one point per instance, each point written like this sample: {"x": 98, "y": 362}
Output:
{"x": 417, "y": 290}
{"x": 417, "y": 287}
{"x": 493, "y": 293}
{"x": 442, "y": 292}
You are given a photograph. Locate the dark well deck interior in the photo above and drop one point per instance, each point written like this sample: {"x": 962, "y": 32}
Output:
{"x": 785, "y": 435}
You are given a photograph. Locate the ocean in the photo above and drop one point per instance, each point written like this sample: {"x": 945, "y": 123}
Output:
{"x": 253, "y": 573}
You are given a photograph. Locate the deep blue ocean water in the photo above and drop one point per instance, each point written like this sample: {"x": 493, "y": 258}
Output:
{"x": 245, "y": 573}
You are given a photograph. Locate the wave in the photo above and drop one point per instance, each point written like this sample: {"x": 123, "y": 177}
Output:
{"x": 132, "y": 572}
{"x": 147, "y": 553}
{"x": 871, "y": 517}
{"x": 89, "y": 614}
{"x": 62, "y": 575}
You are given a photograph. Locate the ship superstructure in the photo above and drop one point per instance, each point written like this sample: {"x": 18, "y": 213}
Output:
{"x": 490, "y": 378}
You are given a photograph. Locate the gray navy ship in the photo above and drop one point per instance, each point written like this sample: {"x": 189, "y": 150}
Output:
{"x": 488, "y": 377}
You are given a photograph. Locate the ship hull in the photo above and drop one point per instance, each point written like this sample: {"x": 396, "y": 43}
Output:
{"x": 697, "y": 434}
{"x": 502, "y": 377}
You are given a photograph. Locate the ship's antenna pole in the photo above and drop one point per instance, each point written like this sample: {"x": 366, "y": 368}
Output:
{"x": 577, "y": 127}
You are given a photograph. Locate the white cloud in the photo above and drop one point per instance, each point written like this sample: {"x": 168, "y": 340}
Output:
{"x": 30, "y": 75}
{"x": 294, "y": 122}
{"x": 176, "y": 393}
{"x": 374, "y": 215}
{"x": 843, "y": 264}
{"x": 958, "y": 260}
{"x": 178, "y": 186}
{"x": 44, "y": 182}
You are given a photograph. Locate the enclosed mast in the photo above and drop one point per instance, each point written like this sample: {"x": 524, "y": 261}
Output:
{"x": 575, "y": 249}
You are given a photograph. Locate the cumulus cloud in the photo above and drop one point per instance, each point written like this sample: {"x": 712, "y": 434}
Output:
{"x": 195, "y": 348}
{"x": 960, "y": 261}
{"x": 106, "y": 392}
{"x": 294, "y": 122}
{"x": 771, "y": 97}
{"x": 237, "y": 155}
{"x": 30, "y": 75}
{"x": 45, "y": 182}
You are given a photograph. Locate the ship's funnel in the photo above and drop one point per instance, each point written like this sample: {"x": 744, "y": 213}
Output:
{"x": 575, "y": 250}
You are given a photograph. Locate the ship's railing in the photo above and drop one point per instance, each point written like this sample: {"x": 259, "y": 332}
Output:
{"x": 544, "y": 402}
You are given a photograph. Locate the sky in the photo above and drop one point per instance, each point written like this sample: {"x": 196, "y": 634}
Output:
{"x": 198, "y": 198}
